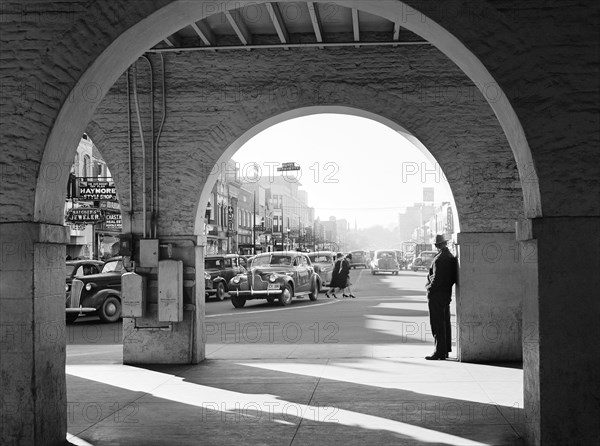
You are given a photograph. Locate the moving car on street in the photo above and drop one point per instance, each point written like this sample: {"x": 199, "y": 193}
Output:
{"x": 280, "y": 275}
{"x": 219, "y": 269}
{"x": 423, "y": 261}
{"x": 360, "y": 258}
{"x": 97, "y": 293}
{"x": 323, "y": 263}
{"x": 385, "y": 261}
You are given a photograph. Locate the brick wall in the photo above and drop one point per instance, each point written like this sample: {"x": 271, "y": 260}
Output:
{"x": 212, "y": 99}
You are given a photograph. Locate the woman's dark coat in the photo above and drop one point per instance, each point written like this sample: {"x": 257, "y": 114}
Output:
{"x": 340, "y": 274}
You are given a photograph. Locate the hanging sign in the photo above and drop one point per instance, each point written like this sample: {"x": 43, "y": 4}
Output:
{"x": 113, "y": 221}
{"x": 449, "y": 221}
{"x": 288, "y": 166}
{"x": 85, "y": 215}
{"x": 230, "y": 218}
{"x": 97, "y": 190}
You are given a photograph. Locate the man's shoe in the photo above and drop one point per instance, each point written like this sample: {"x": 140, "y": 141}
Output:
{"x": 435, "y": 357}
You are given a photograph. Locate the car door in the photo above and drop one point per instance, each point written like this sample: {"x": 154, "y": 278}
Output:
{"x": 304, "y": 273}
{"x": 228, "y": 269}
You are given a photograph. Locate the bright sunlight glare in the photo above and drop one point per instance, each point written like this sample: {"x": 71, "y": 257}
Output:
{"x": 352, "y": 167}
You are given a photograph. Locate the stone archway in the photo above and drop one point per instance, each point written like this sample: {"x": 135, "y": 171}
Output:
{"x": 104, "y": 71}
{"x": 128, "y": 47}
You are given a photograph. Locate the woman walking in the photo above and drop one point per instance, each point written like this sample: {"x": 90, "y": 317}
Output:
{"x": 344, "y": 276}
{"x": 340, "y": 276}
{"x": 335, "y": 276}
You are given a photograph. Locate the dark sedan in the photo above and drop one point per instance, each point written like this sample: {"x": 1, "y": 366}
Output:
{"x": 276, "y": 275}
{"x": 219, "y": 269}
{"x": 81, "y": 268}
{"x": 97, "y": 293}
{"x": 323, "y": 262}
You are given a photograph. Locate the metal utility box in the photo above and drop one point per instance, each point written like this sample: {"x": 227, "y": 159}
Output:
{"x": 148, "y": 253}
{"x": 133, "y": 295}
{"x": 170, "y": 291}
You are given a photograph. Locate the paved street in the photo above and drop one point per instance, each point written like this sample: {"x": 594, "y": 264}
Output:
{"x": 388, "y": 318}
{"x": 330, "y": 372}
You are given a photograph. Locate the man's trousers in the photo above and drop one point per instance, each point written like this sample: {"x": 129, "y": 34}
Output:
{"x": 439, "y": 318}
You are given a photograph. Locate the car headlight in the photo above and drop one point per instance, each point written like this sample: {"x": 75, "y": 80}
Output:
{"x": 89, "y": 286}
{"x": 236, "y": 279}
{"x": 272, "y": 278}
{"x": 67, "y": 287}
{"x": 206, "y": 276}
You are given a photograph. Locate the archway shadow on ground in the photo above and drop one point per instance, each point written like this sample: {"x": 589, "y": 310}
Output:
{"x": 250, "y": 402}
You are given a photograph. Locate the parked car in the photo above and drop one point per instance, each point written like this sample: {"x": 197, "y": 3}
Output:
{"x": 423, "y": 260}
{"x": 323, "y": 263}
{"x": 360, "y": 258}
{"x": 385, "y": 261}
{"x": 97, "y": 293}
{"x": 81, "y": 268}
{"x": 219, "y": 269}
{"x": 280, "y": 275}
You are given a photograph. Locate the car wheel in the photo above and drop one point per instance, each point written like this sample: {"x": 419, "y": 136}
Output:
{"x": 372, "y": 272}
{"x": 286, "y": 297}
{"x": 110, "y": 311}
{"x": 221, "y": 291}
{"x": 238, "y": 302}
{"x": 71, "y": 317}
{"x": 314, "y": 290}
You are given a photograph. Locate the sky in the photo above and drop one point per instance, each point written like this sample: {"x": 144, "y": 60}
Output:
{"x": 352, "y": 167}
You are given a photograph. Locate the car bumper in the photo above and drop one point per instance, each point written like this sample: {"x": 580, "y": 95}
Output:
{"x": 80, "y": 310}
{"x": 255, "y": 293}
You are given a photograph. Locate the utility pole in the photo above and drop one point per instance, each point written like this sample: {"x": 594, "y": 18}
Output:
{"x": 254, "y": 225}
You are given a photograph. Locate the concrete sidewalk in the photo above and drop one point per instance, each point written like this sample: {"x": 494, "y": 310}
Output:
{"x": 332, "y": 394}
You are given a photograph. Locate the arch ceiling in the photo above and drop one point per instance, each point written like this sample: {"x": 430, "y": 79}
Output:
{"x": 287, "y": 25}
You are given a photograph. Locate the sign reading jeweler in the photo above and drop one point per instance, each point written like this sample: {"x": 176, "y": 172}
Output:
{"x": 97, "y": 190}
{"x": 85, "y": 215}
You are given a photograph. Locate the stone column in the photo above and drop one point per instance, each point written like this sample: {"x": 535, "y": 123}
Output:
{"x": 489, "y": 296}
{"x": 562, "y": 331}
{"x": 32, "y": 334}
{"x": 146, "y": 340}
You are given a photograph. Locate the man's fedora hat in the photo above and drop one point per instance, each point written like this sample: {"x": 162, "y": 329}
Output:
{"x": 439, "y": 239}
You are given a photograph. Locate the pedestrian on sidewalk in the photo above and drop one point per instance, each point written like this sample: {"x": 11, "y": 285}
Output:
{"x": 441, "y": 277}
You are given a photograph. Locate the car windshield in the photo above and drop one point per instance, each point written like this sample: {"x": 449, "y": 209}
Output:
{"x": 385, "y": 255}
{"x": 113, "y": 265}
{"x": 272, "y": 260}
{"x": 321, "y": 258}
{"x": 427, "y": 255}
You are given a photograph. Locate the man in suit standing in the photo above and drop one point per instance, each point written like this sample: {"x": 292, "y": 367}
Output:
{"x": 441, "y": 277}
